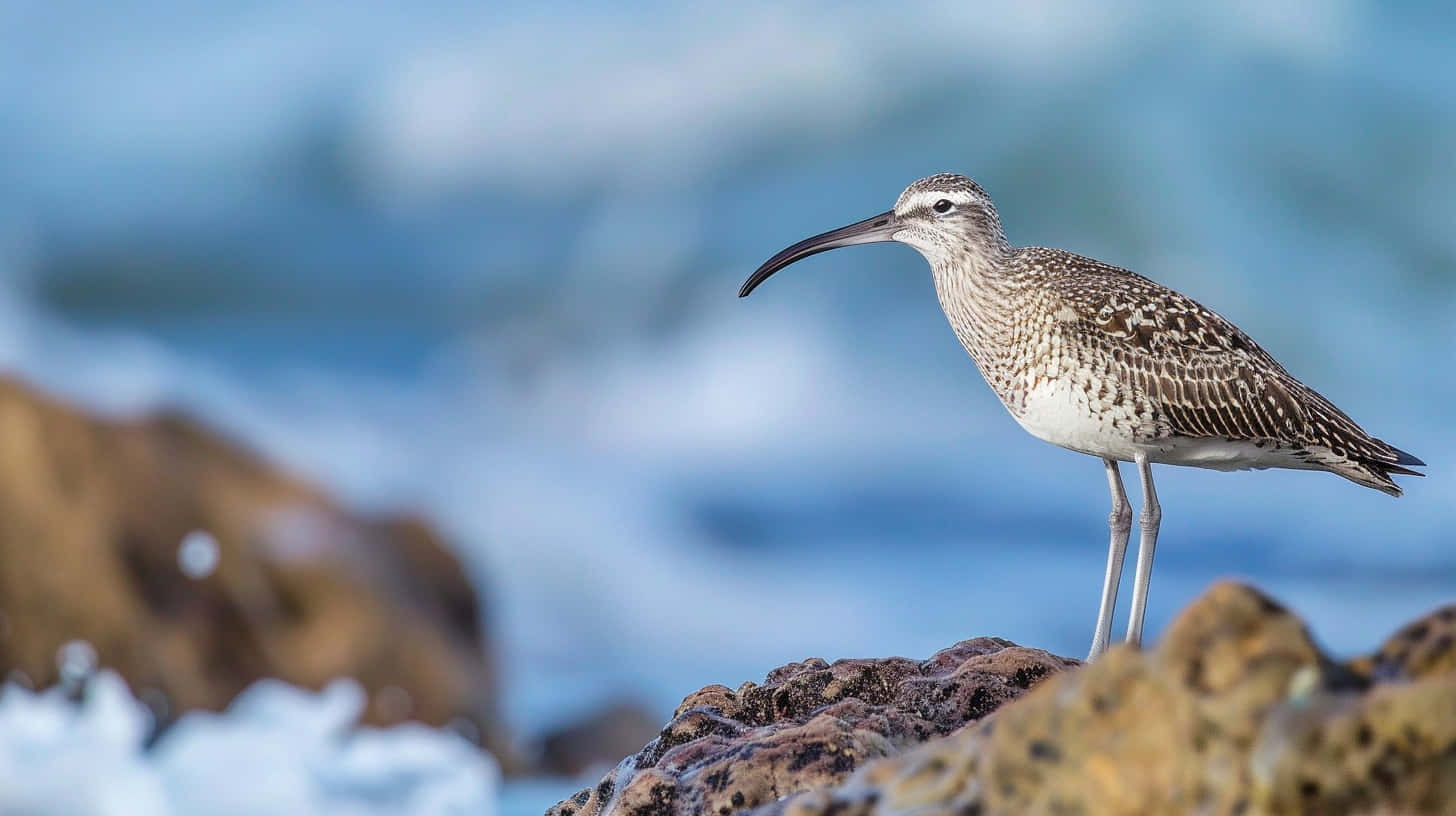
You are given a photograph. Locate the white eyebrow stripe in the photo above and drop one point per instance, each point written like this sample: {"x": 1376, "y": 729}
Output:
{"x": 927, "y": 199}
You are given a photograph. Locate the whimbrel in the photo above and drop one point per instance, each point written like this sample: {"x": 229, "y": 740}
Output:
{"x": 1103, "y": 361}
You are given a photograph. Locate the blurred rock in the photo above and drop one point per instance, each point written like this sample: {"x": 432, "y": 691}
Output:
{"x": 275, "y": 579}
{"x": 1235, "y": 711}
{"x": 598, "y": 739}
{"x": 1420, "y": 649}
{"x": 809, "y": 725}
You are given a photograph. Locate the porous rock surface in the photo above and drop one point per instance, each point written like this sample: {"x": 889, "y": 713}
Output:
{"x": 1236, "y": 711}
{"x": 92, "y": 514}
{"x": 809, "y": 725}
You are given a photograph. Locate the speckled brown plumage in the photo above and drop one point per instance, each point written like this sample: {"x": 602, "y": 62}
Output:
{"x": 1103, "y": 361}
{"x": 1150, "y": 368}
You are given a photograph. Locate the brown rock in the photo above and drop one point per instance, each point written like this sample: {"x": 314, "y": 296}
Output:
{"x": 1420, "y": 649}
{"x": 92, "y": 513}
{"x": 1235, "y": 711}
{"x": 809, "y": 725}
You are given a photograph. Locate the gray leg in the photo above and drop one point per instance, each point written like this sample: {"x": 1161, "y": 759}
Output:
{"x": 1148, "y": 520}
{"x": 1120, "y": 524}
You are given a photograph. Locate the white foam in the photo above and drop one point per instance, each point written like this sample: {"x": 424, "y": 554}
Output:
{"x": 277, "y": 750}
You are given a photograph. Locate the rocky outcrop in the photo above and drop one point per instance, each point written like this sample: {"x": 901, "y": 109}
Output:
{"x": 809, "y": 725}
{"x": 92, "y": 515}
{"x": 1235, "y": 711}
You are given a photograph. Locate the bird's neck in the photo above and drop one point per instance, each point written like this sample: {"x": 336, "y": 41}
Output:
{"x": 981, "y": 298}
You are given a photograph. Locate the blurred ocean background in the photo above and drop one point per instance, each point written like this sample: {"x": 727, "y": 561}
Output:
{"x": 480, "y": 261}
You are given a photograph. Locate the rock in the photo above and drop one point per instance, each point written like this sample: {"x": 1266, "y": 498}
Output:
{"x": 1420, "y": 649}
{"x": 809, "y": 725}
{"x": 92, "y": 513}
{"x": 596, "y": 740}
{"x": 1235, "y": 711}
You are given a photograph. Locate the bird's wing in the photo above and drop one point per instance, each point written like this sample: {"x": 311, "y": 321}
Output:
{"x": 1146, "y": 317}
{"x": 1204, "y": 376}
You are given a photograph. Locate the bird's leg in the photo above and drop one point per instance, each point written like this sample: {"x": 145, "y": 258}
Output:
{"x": 1148, "y": 520}
{"x": 1119, "y": 521}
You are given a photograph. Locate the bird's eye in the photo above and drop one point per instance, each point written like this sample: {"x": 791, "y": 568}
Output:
{"x": 942, "y": 206}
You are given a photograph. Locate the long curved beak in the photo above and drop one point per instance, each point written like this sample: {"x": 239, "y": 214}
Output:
{"x": 869, "y": 231}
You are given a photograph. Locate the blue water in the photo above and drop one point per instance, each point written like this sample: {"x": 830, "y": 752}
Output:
{"x": 482, "y": 264}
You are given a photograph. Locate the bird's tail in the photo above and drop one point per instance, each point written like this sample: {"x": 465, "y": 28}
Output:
{"x": 1376, "y": 472}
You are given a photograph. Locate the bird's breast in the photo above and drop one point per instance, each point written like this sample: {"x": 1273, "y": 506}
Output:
{"x": 1050, "y": 384}
{"x": 1082, "y": 414}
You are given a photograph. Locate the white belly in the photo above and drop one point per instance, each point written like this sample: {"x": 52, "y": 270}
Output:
{"x": 1063, "y": 414}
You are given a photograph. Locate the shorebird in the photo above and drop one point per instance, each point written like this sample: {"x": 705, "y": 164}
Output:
{"x": 1103, "y": 361}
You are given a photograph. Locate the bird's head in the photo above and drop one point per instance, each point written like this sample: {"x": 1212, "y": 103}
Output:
{"x": 944, "y": 217}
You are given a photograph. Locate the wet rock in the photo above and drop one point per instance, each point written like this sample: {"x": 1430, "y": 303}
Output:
{"x": 275, "y": 580}
{"x": 809, "y": 725}
{"x": 1236, "y": 711}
